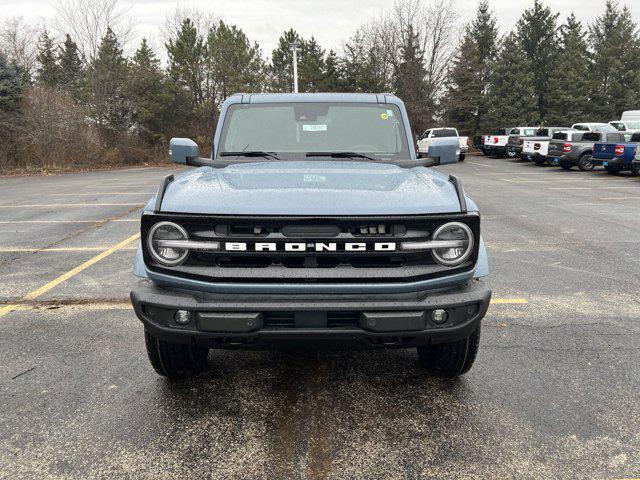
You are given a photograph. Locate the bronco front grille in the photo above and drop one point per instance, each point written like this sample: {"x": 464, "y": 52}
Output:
{"x": 323, "y": 240}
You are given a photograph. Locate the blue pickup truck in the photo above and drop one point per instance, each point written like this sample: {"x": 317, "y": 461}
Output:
{"x": 312, "y": 224}
{"x": 617, "y": 156}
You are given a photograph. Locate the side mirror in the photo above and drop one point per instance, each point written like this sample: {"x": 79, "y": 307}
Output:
{"x": 183, "y": 150}
{"x": 444, "y": 150}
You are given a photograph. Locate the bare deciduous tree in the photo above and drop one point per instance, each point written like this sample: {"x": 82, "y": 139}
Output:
{"x": 19, "y": 42}
{"x": 203, "y": 21}
{"x": 438, "y": 31}
{"x": 87, "y": 22}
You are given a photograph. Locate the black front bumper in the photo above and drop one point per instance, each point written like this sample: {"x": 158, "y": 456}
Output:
{"x": 331, "y": 321}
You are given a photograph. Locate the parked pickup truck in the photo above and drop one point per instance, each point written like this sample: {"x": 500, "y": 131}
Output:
{"x": 576, "y": 148}
{"x": 535, "y": 148}
{"x": 617, "y": 156}
{"x": 428, "y": 137}
{"x": 496, "y": 143}
{"x": 594, "y": 127}
{"x": 313, "y": 224}
{"x": 516, "y": 140}
{"x": 631, "y": 126}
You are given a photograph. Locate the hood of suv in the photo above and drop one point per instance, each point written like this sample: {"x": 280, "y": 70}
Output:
{"x": 311, "y": 188}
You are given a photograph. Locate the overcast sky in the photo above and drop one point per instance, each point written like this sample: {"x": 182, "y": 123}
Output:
{"x": 330, "y": 21}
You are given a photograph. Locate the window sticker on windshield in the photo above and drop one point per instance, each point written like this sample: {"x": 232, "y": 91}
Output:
{"x": 314, "y": 128}
{"x": 384, "y": 116}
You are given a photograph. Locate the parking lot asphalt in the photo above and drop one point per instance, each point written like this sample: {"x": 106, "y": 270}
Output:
{"x": 553, "y": 393}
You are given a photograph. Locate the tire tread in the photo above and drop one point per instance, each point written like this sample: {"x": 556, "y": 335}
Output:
{"x": 174, "y": 360}
{"x": 450, "y": 360}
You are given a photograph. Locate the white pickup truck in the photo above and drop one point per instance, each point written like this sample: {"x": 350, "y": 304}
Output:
{"x": 496, "y": 143}
{"x": 426, "y": 139}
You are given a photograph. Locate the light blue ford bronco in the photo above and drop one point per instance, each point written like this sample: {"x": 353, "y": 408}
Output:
{"x": 313, "y": 224}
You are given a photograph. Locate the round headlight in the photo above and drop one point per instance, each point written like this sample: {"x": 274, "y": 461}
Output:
{"x": 163, "y": 254}
{"x": 458, "y": 233}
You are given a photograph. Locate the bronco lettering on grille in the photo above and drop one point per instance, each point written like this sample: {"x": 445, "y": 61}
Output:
{"x": 306, "y": 247}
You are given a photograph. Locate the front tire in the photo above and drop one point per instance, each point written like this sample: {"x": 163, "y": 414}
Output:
{"x": 461, "y": 157}
{"x": 565, "y": 165}
{"x": 450, "y": 360}
{"x": 635, "y": 169}
{"x": 541, "y": 162}
{"x": 174, "y": 360}
{"x": 586, "y": 163}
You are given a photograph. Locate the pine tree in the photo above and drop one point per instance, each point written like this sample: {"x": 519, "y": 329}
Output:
{"x": 332, "y": 75}
{"x": 359, "y": 66}
{"x": 410, "y": 82}
{"x": 616, "y": 62}
{"x": 570, "y": 83}
{"x": 186, "y": 56}
{"x": 311, "y": 66}
{"x": 48, "y": 72}
{"x": 71, "y": 68}
{"x": 234, "y": 64}
{"x": 538, "y": 38}
{"x": 466, "y": 97}
{"x": 145, "y": 88}
{"x": 12, "y": 87}
{"x": 281, "y": 68}
{"x": 512, "y": 100}
{"x": 105, "y": 88}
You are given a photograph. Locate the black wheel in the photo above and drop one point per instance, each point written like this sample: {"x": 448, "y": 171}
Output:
{"x": 511, "y": 153}
{"x": 612, "y": 169}
{"x": 449, "y": 360}
{"x": 173, "y": 360}
{"x": 635, "y": 169}
{"x": 541, "y": 162}
{"x": 586, "y": 163}
{"x": 565, "y": 165}
{"x": 462, "y": 157}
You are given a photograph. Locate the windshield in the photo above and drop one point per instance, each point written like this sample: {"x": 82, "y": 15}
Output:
{"x": 299, "y": 128}
{"x": 633, "y": 125}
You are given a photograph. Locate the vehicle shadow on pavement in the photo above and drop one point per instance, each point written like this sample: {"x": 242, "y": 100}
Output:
{"x": 321, "y": 411}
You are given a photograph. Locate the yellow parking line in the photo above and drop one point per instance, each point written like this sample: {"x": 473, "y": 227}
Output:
{"x": 57, "y": 281}
{"x": 508, "y": 301}
{"x": 60, "y": 205}
{"x": 58, "y": 249}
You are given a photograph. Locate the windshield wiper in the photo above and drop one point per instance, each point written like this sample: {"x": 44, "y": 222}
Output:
{"x": 341, "y": 155}
{"x": 250, "y": 153}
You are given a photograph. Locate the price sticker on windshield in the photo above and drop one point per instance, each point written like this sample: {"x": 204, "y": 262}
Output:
{"x": 314, "y": 128}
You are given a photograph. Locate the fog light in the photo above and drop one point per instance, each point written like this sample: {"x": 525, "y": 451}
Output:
{"x": 439, "y": 316}
{"x": 182, "y": 317}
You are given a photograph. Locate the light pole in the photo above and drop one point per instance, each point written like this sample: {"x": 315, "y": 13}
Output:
{"x": 294, "y": 48}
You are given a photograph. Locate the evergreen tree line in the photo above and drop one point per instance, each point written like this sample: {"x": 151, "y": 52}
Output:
{"x": 545, "y": 71}
{"x": 79, "y": 107}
